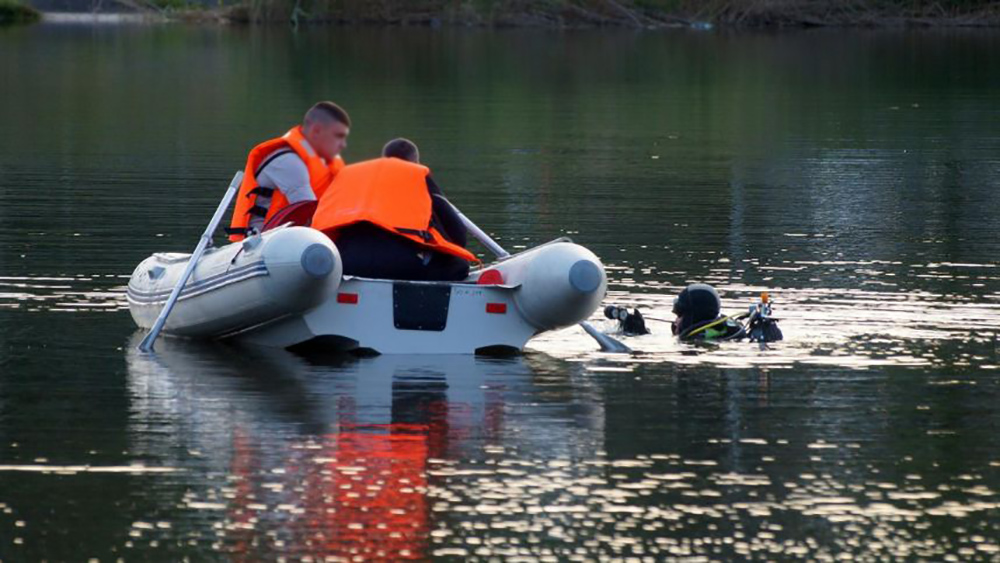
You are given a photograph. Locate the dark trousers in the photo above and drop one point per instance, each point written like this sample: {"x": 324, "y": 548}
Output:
{"x": 371, "y": 252}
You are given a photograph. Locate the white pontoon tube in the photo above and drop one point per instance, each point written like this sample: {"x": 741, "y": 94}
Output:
{"x": 607, "y": 343}
{"x": 237, "y": 286}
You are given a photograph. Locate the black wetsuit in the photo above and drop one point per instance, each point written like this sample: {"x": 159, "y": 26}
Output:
{"x": 372, "y": 252}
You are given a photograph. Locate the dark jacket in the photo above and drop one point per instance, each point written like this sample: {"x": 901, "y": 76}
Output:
{"x": 443, "y": 216}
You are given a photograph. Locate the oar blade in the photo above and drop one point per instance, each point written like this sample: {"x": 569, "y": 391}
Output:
{"x": 608, "y": 344}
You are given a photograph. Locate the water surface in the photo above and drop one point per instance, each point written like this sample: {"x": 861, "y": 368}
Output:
{"x": 853, "y": 175}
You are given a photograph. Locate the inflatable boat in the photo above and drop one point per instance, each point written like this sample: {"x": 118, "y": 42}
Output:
{"x": 285, "y": 288}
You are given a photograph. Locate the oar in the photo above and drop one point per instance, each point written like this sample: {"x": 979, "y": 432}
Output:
{"x": 147, "y": 343}
{"x": 607, "y": 343}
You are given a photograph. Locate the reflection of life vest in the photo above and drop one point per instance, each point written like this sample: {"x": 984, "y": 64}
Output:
{"x": 320, "y": 176}
{"x": 389, "y": 193}
{"x": 360, "y": 491}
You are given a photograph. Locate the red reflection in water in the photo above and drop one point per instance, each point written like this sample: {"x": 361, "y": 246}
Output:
{"x": 379, "y": 498}
{"x": 359, "y": 492}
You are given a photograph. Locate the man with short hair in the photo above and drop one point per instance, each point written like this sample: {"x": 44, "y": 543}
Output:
{"x": 444, "y": 216}
{"x": 296, "y": 167}
{"x": 391, "y": 221}
{"x": 402, "y": 148}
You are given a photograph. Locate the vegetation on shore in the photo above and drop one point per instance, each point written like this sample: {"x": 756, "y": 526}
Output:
{"x": 623, "y": 13}
{"x": 13, "y": 12}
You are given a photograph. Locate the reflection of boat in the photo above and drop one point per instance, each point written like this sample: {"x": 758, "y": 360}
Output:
{"x": 285, "y": 288}
{"x": 337, "y": 459}
{"x": 187, "y": 384}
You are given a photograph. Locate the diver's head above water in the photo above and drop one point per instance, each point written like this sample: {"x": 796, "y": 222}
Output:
{"x": 695, "y": 304}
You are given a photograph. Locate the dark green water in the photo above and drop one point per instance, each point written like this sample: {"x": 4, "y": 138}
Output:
{"x": 854, "y": 175}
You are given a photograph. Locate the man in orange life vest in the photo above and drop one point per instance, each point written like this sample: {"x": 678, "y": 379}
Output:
{"x": 298, "y": 166}
{"x": 391, "y": 221}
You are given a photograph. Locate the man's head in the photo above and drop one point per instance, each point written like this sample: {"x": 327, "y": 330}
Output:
{"x": 326, "y": 126}
{"x": 402, "y": 148}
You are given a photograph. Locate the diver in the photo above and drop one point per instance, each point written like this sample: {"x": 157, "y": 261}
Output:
{"x": 391, "y": 221}
{"x": 630, "y": 323}
{"x": 698, "y": 311}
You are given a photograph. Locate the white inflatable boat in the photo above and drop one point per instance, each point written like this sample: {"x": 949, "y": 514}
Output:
{"x": 285, "y": 288}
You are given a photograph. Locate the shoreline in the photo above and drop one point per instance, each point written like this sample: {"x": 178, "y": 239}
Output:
{"x": 14, "y": 13}
{"x": 554, "y": 14}
{"x": 626, "y": 14}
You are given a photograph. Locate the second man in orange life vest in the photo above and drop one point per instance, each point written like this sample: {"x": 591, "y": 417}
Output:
{"x": 391, "y": 221}
{"x": 296, "y": 167}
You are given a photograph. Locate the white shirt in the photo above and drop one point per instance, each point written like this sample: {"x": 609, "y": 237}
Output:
{"x": 288, "y": 174}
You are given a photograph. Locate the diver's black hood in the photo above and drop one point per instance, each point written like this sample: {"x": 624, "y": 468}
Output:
{"x": 698, "y": 302}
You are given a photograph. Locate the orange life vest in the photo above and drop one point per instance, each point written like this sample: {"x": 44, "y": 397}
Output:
{"x": 389, "y": 193}
{"x": 321, "y": 174}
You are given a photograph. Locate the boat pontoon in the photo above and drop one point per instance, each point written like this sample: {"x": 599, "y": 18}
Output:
{"x": 285, "y": 288}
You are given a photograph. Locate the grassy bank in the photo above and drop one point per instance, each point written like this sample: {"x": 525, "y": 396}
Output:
{"x": 621, "y": 13}
{"x": 13, "y": 12}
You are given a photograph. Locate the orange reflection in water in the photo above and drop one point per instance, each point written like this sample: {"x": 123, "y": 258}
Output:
{"x": 378, "y": 502}
{"x": 358, "y": 492}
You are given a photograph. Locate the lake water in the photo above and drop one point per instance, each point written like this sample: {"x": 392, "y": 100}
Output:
{"x": 853, "y": 175}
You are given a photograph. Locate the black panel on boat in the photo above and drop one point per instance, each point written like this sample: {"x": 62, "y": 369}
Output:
{"x": 418, "y": 306}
